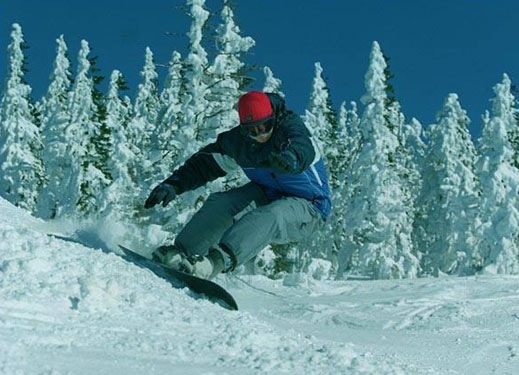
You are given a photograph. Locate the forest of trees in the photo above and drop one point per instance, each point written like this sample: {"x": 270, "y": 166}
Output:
{"x": 408, "y": 201}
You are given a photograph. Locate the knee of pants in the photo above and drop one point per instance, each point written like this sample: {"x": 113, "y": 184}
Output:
{"x": 206, "y": 226}
{"x": 293, "y": 221}
{"x": 269, "y": 218}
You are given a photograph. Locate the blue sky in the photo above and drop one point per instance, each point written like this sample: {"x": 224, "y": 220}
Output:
{"x": 436, "y": 47}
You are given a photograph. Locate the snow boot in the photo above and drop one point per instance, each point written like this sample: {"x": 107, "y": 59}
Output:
{"x": 205, "y": 267}
{"x": 168, "y": 255}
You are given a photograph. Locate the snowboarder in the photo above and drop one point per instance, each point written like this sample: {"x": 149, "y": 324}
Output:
{"x": 286, "y": 199}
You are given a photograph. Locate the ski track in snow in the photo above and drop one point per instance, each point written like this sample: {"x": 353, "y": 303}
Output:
{"x": 71, "y": 309}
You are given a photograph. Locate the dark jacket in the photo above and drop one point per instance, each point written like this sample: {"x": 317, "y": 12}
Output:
{"x": 234, "y": 149}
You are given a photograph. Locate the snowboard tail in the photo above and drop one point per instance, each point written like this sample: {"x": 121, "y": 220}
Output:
{"x": 206, "y": 288}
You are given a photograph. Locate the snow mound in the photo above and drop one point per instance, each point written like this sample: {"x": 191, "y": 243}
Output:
{"x": 69, "y": 308}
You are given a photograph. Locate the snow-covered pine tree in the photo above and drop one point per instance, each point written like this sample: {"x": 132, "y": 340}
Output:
{"x": 353, "y": 141}
{"x": 272, "y": 84}
{"x": 173, "y": 83}
{"x": 499, "y": 179}
{"x": 514, "y": 134}
{"x": 82, "y": 180}
{"x": 353, "y": 136}
{"x": 395, "y": 121}
{"x": 415, "y": 146}
{"x": 55, "y": 118}
{"x": 226, "y": 74}
{"x": 343, "y": 117}
{"x": 169, "y": 115}
{"x": 321, "y": 120}
{"x": 190, "y": 135}
{"x": 118, "y": 198}
{"x": 413, "y": 136}
{"x": 343, "y": 144}
{"x": 146, "y": 110}
{"x": 147, "y": 100}
{"x": 54, "y": 103}
{"x": 320, "y": 116}
{"x": 378, "y": 219}
{"x": 514, "y": 137}
{"x": 22, "y": 171}
{"x": 402, "y": 158}
{"x": 346, "y": 149}
{"x": 101, "y": 141}
{"x": 347, "y": 144}
{"x": 448, "y": 200}
{"x": 165, "y": 141}
{"x": 195, "y": 103}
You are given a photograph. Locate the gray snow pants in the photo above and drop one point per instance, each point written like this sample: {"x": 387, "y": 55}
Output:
{"x": 243, "y": 220}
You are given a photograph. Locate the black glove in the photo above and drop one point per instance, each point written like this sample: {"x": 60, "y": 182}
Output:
{"x": 164, "y": 193}
{"x": 284, "y": 162}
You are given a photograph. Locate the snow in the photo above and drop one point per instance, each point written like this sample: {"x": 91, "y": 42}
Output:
{"x": 67, "y": 308}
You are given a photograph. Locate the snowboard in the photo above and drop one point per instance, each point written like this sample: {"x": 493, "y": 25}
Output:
{"x": 205, "y": 288}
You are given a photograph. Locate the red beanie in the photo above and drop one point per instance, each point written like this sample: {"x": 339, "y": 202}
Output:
{"x": 254, "y": 108}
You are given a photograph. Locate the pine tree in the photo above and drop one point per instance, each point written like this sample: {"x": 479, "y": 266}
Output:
{"x": 195, "y": 104}
{"x": 173, "y": 82}
{"x": 83, "y": 180}
{"x": 33, "y": 105}
{"x": 342, "y": 144}
{"x": 119, "y": 197}
{"x": 101, "y": 141}
{"x": 402, "y": 158}
{"x": 514, "y": 134}
{"x": 449, "y": 195}
{"x": 20, "y": 140}
{"x": 391, "y": 98}
{"x": 147, "y": 101}
{"x": 499, "y": 232}
{"x": 415, "y": 146}
{"x": 321, "y": 120}
{"x": 272, "y": 84}
{"x": 55, "y": 117}
{"x": 320, "y": 117}
{"x": 381, "y": 227}
{"x": 228, "y": 78}
{"x": 142, "y": 129}
{"x": 169, "y": 115}
{"x": 347, "y": 150}
{"x": 353, "y": 136}
{"x": 413, "y": 136}
{"x": 191, "y": 133}
{"x": 54, "y": 103}
{"x": 226, "y": 74}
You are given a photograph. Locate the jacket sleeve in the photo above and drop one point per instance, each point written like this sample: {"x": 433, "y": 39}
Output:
{"x": 300, "y": 142}
{"x": 202, "y": 167}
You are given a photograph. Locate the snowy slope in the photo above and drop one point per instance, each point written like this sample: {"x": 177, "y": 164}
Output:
{"x": 66, "y": 308}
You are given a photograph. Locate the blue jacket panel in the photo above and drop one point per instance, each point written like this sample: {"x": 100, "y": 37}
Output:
{"x": 312, "y": 184}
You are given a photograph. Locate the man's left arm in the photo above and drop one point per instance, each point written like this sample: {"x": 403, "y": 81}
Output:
{"x": 298, "y": 151}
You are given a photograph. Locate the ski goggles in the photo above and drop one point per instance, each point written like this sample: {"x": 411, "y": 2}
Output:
{"x": 257, "y": 130}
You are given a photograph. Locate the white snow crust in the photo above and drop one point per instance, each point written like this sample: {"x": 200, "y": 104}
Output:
{"x": 67, "y": 308}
